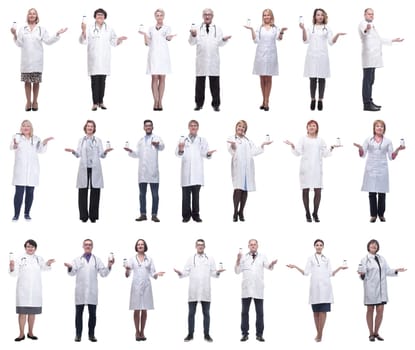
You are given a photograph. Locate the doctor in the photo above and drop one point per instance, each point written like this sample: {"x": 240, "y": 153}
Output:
{"x": 30, "y": 39}
{"x": 192, "y": 149}
{"x": 26, "y": 170}
{"x": 373, "y": 270}
{"x": 321, "y": 294}
{"x": 86, "y": 269}
{"x": 148, "y": 169}
{"x": 99, "y": 37}
{"x": 252, "y": 267}
{"x": 200, "y": 268}
{"x": 89, "y": 151}
{"x": 376, "y": 177}
{"x": 207, "y": 38}
{"x": 27, "y": 268}
{"x": 371, "y": 57}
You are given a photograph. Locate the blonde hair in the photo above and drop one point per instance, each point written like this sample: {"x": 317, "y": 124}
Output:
{"x": 37, "y": 15}
{"x": 244, "y": 123}
{"x": 159, "y": 10}
{"x": 271, "y": 14}
{"x": 381, "y": 122}
{"x": 29, "y": 124}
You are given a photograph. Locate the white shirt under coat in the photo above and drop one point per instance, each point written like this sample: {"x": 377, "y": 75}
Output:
{"x": 148, "y": 168}
{"x": 99, "y": 42}
{"x": 374, "y": 283}
{"x": 86, "y": 286}
{"x": 28, "y": 270}
{"x": 372, "y": 46}
{"x": 317, "y": 64}
{"x": 252, "y": 275}
{"x": 90, "y": 151}
{"x": 31, "y": 44}
{"x": 199, "y": 268}
{"x": 26, "y": 163}
{"x": 376, "y": 176}
{"x": 243, "y": 166}
{"x": 192, "y": 161}
{"x": 320, "y": 284}
{"x": 312, "y": 150}
{"x": 207, "y": 50}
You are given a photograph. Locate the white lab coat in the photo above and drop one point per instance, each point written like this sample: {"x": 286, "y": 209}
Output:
{"x": 30, "y": 42}
{"x": 192, "y": 161}
{"x": 207, "y": 50}
{"x": 252, "y": 275}
{"x": 26, "y": 163}
{"x": 28, "y": 270}
{"x": 374, "y": 282}
{"x": 148, "y": 168}
{"x": 97, "y": 152}
{"x": 141, "y": 295}
{"x": 312, "y": 150}
{"x": 317, "y": 64}
{"x": 320, "y": 284}
{"x": 376, "y": 177}
{"x": 200, "y": 268}
{"x": 266, "y": 57}
{"x": 158, "y": 60}
{"x": 86, "y": 286}
{"x": 242, "y": 165}
{"x": 99, "y": 42}
{"x": 372, "y": 46}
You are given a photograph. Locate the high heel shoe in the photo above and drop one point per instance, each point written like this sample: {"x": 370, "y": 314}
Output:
{"x": 308, "y": 218}
{"x": 35, "y": 107}
{"x": 28, "y": 107}
{"x": 261, "y": 107}
{"x": 315, "y": 217}
{"x": 266, "y": 108}
{"x": 241, "y": 216}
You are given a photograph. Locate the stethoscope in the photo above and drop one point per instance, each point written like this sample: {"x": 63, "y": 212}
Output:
{"x": 23, "y": 260}
{"x": 260, "y": 29}
{"x": 31, "y": 137}
{"x": 93, "y": 141}
{"x": 96, "y": 30}
{"x": 323, "y": 259}
{"x": 324, "y": 28}
{"x": 210, "y": 25}
{"x": 83, "y": 264}
{"x": 139, "y": 262}
{"x": 199, "y": 255}
{"x": 380, "y": 144}
{"x": 27, "y": 28}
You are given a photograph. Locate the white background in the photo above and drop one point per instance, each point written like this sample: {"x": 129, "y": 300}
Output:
{"x": 274, "y": 213}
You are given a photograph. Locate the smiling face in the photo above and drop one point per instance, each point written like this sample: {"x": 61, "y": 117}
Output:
{"x": 140, "y": 246}
{"x": 30, "y": 249}
{"x": 193, "y": 128}
{"x": 148, "y": 128}
{"x": 99, "y": 18}
{"x": 87, "y": 245}
{"x": 319, "y": 17}
{"x": 90, "y": 128}
{"x": 253, "y": 246}
{"x": 373, "y": 248}
{"x": 159, "y": 16}
{"x": 26, "y": 128}
{"x": 32, "y": 17}
{"x": 200, "y": 247}
{"x": 312, "y": 129}
{"x": 267, "y": 17}
{"x": 240, "y": 129}
{"x": 319, "y": 245}
{"x": 379, "y": 129}
{"x": 207, "y": 16}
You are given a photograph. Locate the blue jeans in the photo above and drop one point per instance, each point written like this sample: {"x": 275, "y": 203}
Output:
{"x": 92, "y": 320}
{"x": 206, "y": 316}
{"x": 154, "y": 187}
{"x": 18, "y": 199}
{"x": 368, "y": 80}
{"x": 259, "y": 309}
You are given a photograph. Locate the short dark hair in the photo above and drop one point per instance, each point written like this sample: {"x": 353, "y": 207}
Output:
{"x": 30, "y": 242}
{"x": 318, "y": 240}
{"x": 373, "y": 241}
{"x": 100, "y": 11}
{"x": 201, "y": 241}
{"x": 88, "y": 240}
{"x": 92, "y": 122}
{"x": 145, "y": 244}
{"x": 148, "y": 121}
{"x": 193, "y": 121}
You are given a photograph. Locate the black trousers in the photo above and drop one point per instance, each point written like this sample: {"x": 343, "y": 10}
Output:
{"x": 377, "y": 203}
{"x": 18, "y": 199}
{"x": 368, "y": 81}
{"x": 92, "y": 320}
{"x": 98, "y": 88}
{"x": 214, "y": 86}
{"x": 206, "y": 316}
{"x": 94, "y": 196}
{"x": 259, "y": 309}
{"x": 190, "y": 194}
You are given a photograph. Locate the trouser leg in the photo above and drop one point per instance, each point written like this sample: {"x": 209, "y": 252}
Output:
{"x": 313, "y": 88}
{"x": 206, "y": 316}
{"x": 214, "y": 86}
{"x": 186, "y": 195}
{"x": 28, "y": 199}
{"x": 155, "y": 198}
{"x": 200, "y": 91}
{"x": 195, "y": 201}
{"x": 95, "y": 89}
{"x": 381, "y": 204}
{"x": 78, "y": 319}
{"x": 83, "y": 203}
{"x": 143, "y": 194}
{"x": 368, "y": 81}
{"x": 191, "y": 317}
{"x": 321, "y": 88}
{"x": 18, "y": 200}
{"x": 373, "y": 204}
{"x": 259, "y": 309}
{"x": 92, "y": 321}
{"x": 246, "y": 302}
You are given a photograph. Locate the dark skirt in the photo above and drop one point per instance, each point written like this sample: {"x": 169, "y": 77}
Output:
{"x": 28, "y": 310}
{"x": 325, "y": 307}
{"x": 34, "y": 77}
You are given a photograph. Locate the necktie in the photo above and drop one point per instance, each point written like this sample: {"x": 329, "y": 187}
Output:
{"x": 253, "y": 256}
{"x": 207, "y": 28}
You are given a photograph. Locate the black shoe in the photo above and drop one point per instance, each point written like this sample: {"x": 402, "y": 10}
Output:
{"x": 308, "y": 218}
{"x": 186, "y": 219}
{"x": 93, "y": 220}
{"x": 102, "y": 106}
{"x": 33, "y": 337}
{"x": 92, "y": 338}
{"x": 315, "y": 217}
{"x": 244, "y": 337}
{"x": 378, "y": 337}
{"x": 198, "y": 108}
{"x": 382, "y": 218}
{"x": 371, "y": 108}
{"x": 371, "y": 338}
{"x": 261, "y": 107}
{"x": 241, "y": 217}
{"x": 142, "y": 217}
{"x": 372, "y": 219}
{"x": 94, "y": 107}
{"x": 375, "y": 105}
{"x": 320, "y": 105}
{"x": 197, "y": 219}
{"x": 155, "y": 218}
{"x": 266, "y": 108}
{"x": 34, "y": 109}
{"x": 84, "y": 220}
{"x": 208, "y": 338}
{"x": 260, "y": 338}
{"x": 313, "y": 105}
{"x": 78, "y": 338}
{"x": 27, "y": 217}
{"x": 217, "y": 109}
{"x": 19, "y": 338}
{"x": 189, "y": 337}
{"x": 235, "y": 217}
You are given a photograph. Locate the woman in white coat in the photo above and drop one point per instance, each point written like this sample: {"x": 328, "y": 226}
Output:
{"x": 312, "y": 149}
{"x": 317, "y": 65}
{"x": 321, "y": 293}
{"x": 376, "y": 177}
{"x": 28, "y": 270}
{"x": 30, "y": 39}
{"x": 373, "y": 270}
{"x": 158, "y": 61}
{"x": 89, "y": 150}
{"x": 141, "y": 296}
{"x": 26, "y": 170}
{"x": 243, "y": 152}
{"x": 99, "y": 38}
{"x": 266, "y": 58}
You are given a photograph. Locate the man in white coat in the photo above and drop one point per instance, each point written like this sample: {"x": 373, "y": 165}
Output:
{"x": 371, "y": 57}
{"x": 199, "y": 268}
{"x": 207, "y": 38}
{"x": 252, "y": 267}
{"x": 99, "y": 37}
{"x": 148, "y": 170}
{"x": 86, "y": 269}
{"x": 192, "y": 149}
